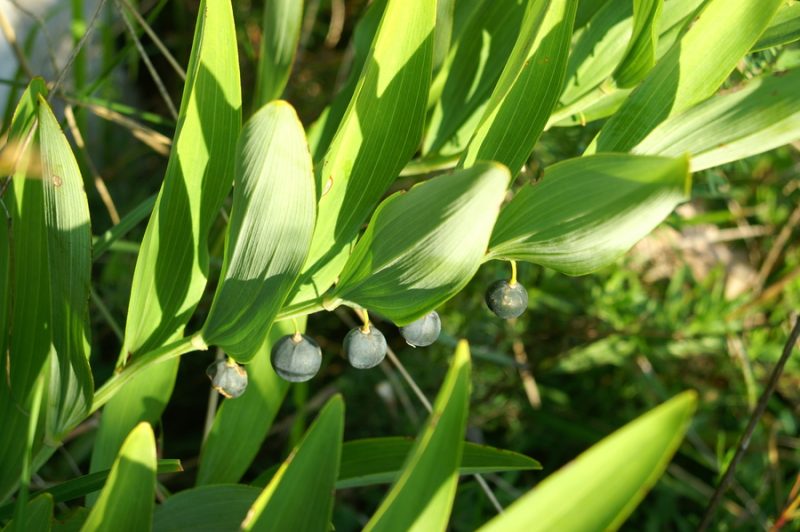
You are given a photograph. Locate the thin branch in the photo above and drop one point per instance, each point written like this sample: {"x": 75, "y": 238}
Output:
{"x": 159, "y": 44}
{"x": 744, "y": 441}
{"x": 777, "y": 248}
{"x": 11, "y": 37}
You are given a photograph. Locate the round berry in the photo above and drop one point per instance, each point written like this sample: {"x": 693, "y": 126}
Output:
{"x": 296, "y": 357}
{"x": 424, "y": 331}
{"x": 228, "y": 378}
{"x": 507, "y": 300}
{"x": 365, "y": 349}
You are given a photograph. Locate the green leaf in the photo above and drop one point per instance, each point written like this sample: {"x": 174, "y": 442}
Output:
{"x": 300, "y": 495}
{"x": 763, "y": 114}
{"x": 378, "y": 134}
{"x": 783, "y": 29}
{"x": 423, "y": 246}
{"x": 38, "y": 516}
{"x": 126, "y": 501}
{"x": 641, "y": 53}
{"x": 172, "y": 268}
{"x": 587, "y": 212}
{"x": 422, "y": 497}
{"x": 241, "y": 425}
{"x": 445, "y": 11}
{"x": 69, "y": 259}
{"x": 724, "y": 31}
{"x": 280, "y": 33}
{"x": 205, "y": 509}
{"x": 269, "y": 233}
{"x": 599, "y": 489}
{"x": 104, "y": 242}
{"x": 528, "y": 88}
{"x": 464, "y": 84}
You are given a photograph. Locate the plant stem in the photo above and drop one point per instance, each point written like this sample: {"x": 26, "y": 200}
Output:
{"x": 513, "y": 273}
{"x": 744, "y": 441}
{"x": 139, "y": 363}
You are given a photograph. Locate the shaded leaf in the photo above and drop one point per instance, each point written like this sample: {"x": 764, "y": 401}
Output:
{"x": 280, "y": 33}
{"x": 215, "y": 508}
{"x": 269, "y": 232}
{"x": 37, "y": 517}
{"x": 126, "y": 501}
{"x": 300, "y": 495}
{"x": 587, "y": 212}
{"x": 422, "y": 497}
{"x": 600, "y": 488}
{"x": 783, "y": 29}
{"x": 641, "y": 53}
{"x": 423, "y": 246}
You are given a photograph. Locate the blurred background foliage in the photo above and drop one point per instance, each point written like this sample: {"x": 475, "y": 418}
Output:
{"x": 704, "y": 303}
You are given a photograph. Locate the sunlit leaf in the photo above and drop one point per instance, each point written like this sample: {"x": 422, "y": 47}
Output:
{"x": 586, "y": 212}
{"x": 600, "y": 488}
{"x": 423, "y": 246}
{"x": 783, "y": 29}
{"x": 422, "y": 496}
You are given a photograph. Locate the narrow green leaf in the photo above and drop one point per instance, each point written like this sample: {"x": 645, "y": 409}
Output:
{"x": 378, "y": 134}
{"x": 599, "y": 489}
{"x": 269, "y": 232}
{"x": 423, "y": 246}
{"x": 38, "y": 516}
{"x": 126, "y": 501}
{"x": 724, "y": 31}
{"x": 470, "y": 73}
{"x": 104, "y": 242}
{"x": 221, "y": 507}
{"x": 783, "y": 29}
{"x": 69, "y": 258}
{"x": 300, "y": 495}
{"x": 528, "y": 88}
{"x": 422, "y": 497}
{"x": 587, "y": 212}
{"x": 280, "y": 33}
{"x": 172, "y": 268}
{"x": 241, "y": 425}
{"x": 641, "y": 53}
{"x": 762, "y": 115}
{"x": 445, "y": 11}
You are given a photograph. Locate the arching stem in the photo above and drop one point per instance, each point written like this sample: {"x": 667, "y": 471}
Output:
{"x": 513, "y": 280}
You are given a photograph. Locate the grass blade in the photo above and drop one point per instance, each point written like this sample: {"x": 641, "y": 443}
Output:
{"x": 280, "y": 33}
{"x": 205, "y": 509}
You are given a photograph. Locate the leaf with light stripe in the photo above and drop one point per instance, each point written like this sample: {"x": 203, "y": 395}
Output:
{"x": 587, "y": 212}
{"x": 422, "y": 497}
{"x": 269, "y": 232}
{"x": 783, "y": 29}
{"x": 599, "y": 489}
{"x": 69, "y": 259}
{"x": 280, "y": 33}
{"x": 762, "y": 115}
{"x": 528, "y": 88}
{"x": 378, "y": 134}
{"x": 641, "y": 53}
{"x": 724, "y": 31}
{"x": 126, "y": 501}
{"x": 423, "y": 246}
{"x": 300, "y": 495}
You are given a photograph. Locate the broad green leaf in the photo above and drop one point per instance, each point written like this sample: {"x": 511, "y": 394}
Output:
{"x": 241, "y": 425}
{"x": 528, "y": 88}
{"x": 378, "y": 134}
{"x": 69, "y": 259}
{"x": 725, "y": 30}
{"x": 599, "y": 489}
{"x": 641, "y": 53}
{"x": 587, "y": 212}
{"x": 216, "y": 508}
{"x": 760, "y": 116}
{"x": 28, "y": 348}
{"x": 422, "y": 497}
{"x": 300, "y": 495}
{"x": 37, "y": 518}
{"x": 172, "y": 267}
{"x": 280, "y": 33}
{"x": 379, "y": 461}
{"x": 423, "y": 246}
{"x": 473, "y": 65}
{"x": 269, "y": 232}
{"x": 783, "y": 29}
{"x": 126, "y": 501}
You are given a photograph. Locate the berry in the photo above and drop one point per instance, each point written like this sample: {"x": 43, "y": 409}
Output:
{"x": 365, "y": 350}
{"x": 228, "y": 378}
{"x": 424, "y": 331}
{"x": 296, "y": 357}
{"x": 507, "y": 300}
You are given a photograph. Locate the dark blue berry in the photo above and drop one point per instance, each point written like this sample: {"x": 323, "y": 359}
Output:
{"x": 296, "y": 357}
{"x": 365, "y": 349}
{"x": 424, "y": 331}
{"x": 507, "y": 300}
{"x": 228, "y": 378}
